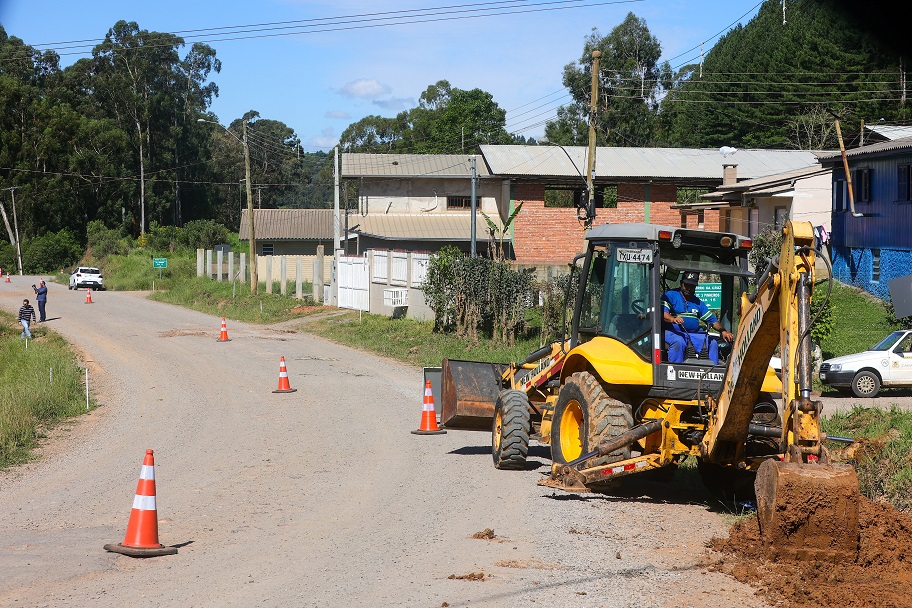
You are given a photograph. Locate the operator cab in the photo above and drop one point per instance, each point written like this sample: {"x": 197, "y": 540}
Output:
{"x": 627, "y": 269}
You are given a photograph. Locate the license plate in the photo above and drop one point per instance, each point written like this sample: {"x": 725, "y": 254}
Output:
{"x": 634, "y": 256}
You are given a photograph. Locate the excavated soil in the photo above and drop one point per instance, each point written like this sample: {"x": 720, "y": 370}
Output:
{"x": 881, "y": 575}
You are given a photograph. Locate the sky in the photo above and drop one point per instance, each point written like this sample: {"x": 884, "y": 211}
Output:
{"x": 337, "y": 71}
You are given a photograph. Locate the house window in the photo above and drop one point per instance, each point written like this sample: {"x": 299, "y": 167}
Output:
{"x": 700, "y": 219}
{"x": 875, "y": 265}
{"x": 904, "y": 183}
{"x": 862, "y": 185}
{"x": 461, "y": 202}
{"x": 839, "y": 195}
{"x": 563, "y": 196}
{"x": 268, "y": 249}
{"x": 607, "y": 197}
{"x": 754, "y": 222}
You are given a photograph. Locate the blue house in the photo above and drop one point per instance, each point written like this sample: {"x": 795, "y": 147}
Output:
{"x": 874, "y": 244}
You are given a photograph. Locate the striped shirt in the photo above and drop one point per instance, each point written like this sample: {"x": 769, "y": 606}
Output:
{"x": 26, "y": 313}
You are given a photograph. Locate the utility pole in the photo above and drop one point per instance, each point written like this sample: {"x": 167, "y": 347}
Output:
{"x": 337, "y": 224}
{"x": 474, "y": 203}
{"x": 16, "y": 227}
{"x": 254, "y": 282}
{"x": 590, "y": 161}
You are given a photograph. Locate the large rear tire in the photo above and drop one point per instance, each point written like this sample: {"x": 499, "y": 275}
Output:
{"x": 584, "y": 415}
{"x": 511, "y": 429}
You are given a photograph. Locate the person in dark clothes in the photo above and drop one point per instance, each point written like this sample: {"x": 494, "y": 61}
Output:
{"x": 41, "y": 294}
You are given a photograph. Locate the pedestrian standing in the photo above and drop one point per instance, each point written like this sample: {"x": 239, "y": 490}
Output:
{"x": 41, "y": 294}
{"x": 26, "y": 315}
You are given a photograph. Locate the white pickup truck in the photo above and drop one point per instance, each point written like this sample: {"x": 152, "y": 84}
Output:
{"x": 888, "y": 363}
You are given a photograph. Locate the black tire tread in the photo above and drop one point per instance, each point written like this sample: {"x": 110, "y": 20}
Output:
{"x": 515, "y": 430}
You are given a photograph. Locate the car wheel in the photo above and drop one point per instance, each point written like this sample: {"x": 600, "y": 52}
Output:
{"x": 70, "y": 287}
{"x": 865, "y": 384}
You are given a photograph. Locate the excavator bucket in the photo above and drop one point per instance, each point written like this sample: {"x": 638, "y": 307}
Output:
{"x": 808, "y": 511}
{"x": 469, "y": 390}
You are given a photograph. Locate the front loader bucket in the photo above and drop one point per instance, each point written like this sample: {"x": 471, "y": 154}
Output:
{"x": 469, "y": 390}
{"x": 808, "y": 511}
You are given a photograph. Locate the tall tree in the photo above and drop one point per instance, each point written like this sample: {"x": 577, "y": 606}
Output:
{"x": 758, "y": 77}
{"x": 631, "y": 82}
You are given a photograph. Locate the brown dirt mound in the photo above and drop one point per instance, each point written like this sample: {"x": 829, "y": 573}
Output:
{"x": 881, "y": 576}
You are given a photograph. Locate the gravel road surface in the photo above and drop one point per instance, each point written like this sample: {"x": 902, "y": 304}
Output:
{"x": 321, "y": 497}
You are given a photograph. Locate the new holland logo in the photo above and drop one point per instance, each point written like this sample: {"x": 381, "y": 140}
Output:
{"x": 692, "y": 375}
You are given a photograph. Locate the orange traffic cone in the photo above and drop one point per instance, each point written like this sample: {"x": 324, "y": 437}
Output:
{"x": 223, "y": 335}
{"x": 89, "y": 296}
{"x": 428, "y": 414}
{"x": 142, "y": 530}
{"x": 284, "y": 386}
{"x": 7, "y": 278}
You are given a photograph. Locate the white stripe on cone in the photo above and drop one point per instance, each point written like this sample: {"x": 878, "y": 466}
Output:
{"x": 147, "y": 472}
{"x": 144, "y": 503}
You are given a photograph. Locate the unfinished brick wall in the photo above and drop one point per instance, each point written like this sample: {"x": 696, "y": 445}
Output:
{"x": 553, "y": 235}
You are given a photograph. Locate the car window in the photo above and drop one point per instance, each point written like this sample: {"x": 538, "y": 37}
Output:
{"x": 888, "y": 342}
{"x": 905, "y": 345}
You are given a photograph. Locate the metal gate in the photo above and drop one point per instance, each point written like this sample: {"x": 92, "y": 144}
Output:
{"x": 354, "y": 282}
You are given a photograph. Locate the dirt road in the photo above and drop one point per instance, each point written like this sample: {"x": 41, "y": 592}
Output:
{"x": 321, "y": 497}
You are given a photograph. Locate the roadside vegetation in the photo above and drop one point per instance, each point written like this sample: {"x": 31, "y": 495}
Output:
{"x": 39, "y": 386}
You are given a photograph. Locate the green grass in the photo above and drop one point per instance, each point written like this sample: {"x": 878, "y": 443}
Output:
{"x": 413, "y": 341}
{"x": 32, "y": 397}
{"x": 883, "y": 453}
{"x": 860, "y": 322}
{"x": 232, "y": 299}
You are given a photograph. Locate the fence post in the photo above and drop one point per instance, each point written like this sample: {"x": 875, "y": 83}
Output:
{"x": 208, "y": 263}
{"x": 299, "y": 278}
{"x": 268, "y": 274}
{"x": 219, "y": 260}
{"x": 199, "y": 262}
{"x": 283, "y": 275}
{"x": 242, "y": 267}
{"x": 318, "y": 275}
{"x": 230, "y": 265}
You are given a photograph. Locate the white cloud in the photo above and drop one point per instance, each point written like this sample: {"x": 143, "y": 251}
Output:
{"x": 326, "y": 138}
{"x": 395, "y": 103}
{"x": 364, "y": 88}
{"x": 337, "y": 114}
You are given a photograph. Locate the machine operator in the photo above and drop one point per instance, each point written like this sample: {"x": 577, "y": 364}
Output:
{"x": 682, "y": 314}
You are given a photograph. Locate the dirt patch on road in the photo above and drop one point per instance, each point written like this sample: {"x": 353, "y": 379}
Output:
{"x": 881, "y": 576}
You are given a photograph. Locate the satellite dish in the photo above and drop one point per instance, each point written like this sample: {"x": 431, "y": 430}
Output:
{"x": 727, "y": 150}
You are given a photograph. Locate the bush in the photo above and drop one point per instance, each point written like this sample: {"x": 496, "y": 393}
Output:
{"x": 203, "y": 234}
{"x": 104, "y": 241}
{"x": 50, "y": 252}
{"x": 475, "y": 296}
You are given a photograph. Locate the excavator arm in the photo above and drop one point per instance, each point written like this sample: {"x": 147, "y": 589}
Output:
{"x": 806, "y": 506}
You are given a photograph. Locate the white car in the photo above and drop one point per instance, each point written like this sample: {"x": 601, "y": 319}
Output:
{"x": 888, "y": 363}
{"x": 86, "y": 276}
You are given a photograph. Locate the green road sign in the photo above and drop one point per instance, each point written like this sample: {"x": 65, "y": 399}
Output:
{"x": 159, "y": 262}
{"x": 711, "y": 294}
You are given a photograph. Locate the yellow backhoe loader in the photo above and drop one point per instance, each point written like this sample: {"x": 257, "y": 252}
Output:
{"x": 612, "y": 402}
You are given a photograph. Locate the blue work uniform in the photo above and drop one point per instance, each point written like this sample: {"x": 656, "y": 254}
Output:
{"x": 41, "y": 293}
{"x": 692, "y": 310}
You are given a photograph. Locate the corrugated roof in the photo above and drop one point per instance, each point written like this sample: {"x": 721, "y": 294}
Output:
{"x": 640, "y": 163}
{"x": 411, "y": 165}
{"x": 289, "y": 224}
{"x": 891, "y": 131}
{"x": 430, "y": 227}
{"x": 884, "y": 146}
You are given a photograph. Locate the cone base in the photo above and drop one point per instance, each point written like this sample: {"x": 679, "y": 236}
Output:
{"x": 437, "y": 432}
{"x": 223, "y": 340}
{"x": 285, "y": 390}
{"x": 140, "y": 551}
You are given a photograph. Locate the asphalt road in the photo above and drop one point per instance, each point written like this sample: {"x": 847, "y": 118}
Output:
{"x": 321, "y": 497}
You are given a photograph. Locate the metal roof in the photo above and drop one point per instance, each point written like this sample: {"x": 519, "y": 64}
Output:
{"x": 430, "y": 227}
{"x": 896, "y": 145}
{"x": 891, "y": 131}
{"x": 765, "y": 185}
{"x": 673, "y": 164}
{"x": 411, "y": 165}
{"x": 289, "y": 224}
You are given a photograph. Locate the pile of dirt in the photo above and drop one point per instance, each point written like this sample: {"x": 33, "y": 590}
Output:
{"x": 881, "y": 575}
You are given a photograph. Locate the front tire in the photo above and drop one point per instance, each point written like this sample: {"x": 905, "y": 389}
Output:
{"x": 585, "y": 415}
{"x": 510, "y": 431}
{"x": 865, "y": 385}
